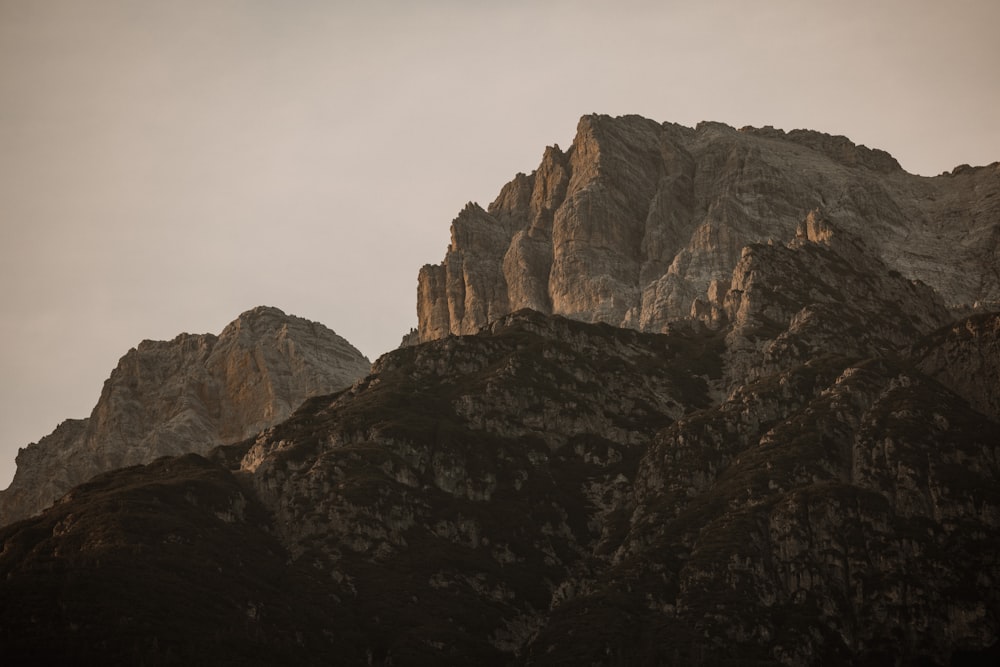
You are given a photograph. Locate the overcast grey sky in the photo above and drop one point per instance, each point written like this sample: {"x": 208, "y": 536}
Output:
{"x": 165, "y": 166}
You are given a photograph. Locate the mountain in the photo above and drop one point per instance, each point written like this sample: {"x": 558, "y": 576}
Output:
{"x": 189, "y": 394}
{"x": 797, "y": 467}
{"x": 640, "y": 223}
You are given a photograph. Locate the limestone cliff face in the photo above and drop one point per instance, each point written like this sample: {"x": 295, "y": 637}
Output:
{"x": 189, "y": 394}
{"x": 637, "y": 221}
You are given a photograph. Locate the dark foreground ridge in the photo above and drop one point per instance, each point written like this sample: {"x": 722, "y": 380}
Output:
{"x": 543, "y": 492}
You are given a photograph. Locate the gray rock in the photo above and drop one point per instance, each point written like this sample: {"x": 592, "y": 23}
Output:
{"x": 636, "y": 221}
{"x": 190, "y": 394}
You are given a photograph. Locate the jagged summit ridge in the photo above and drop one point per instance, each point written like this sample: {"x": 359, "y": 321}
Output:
{"x": 188, "y": 394}
{"x": 638, "y": 220}
{"x": 837, "y": 147}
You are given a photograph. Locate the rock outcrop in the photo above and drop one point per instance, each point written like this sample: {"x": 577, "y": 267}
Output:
{"x": 823, "y": 292}
{"x": 637, "y": 222}
{"x": 189, "y": 394}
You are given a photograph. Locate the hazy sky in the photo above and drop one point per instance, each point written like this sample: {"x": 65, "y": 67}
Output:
{"x": 165, "y": 166}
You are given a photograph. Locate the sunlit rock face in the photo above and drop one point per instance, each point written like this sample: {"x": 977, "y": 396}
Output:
{"x": 638, "y": 222}
{"x": 798, "y": 465}
{"x": 189, "y": 394}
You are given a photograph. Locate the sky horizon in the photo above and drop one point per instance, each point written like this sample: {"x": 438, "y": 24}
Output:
{"x": 168, "y": 166}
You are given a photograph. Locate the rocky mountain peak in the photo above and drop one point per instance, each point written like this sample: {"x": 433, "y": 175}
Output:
{"x": 637, "y": 222}
{"x": 257, "y": 317}
{"x": 188, "y": 394}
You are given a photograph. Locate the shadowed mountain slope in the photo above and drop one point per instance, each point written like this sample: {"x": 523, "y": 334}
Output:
{"x": 547, "y": 490}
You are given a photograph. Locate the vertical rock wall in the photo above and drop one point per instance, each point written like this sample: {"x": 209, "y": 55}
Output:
{"x": 640, "y": 223}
